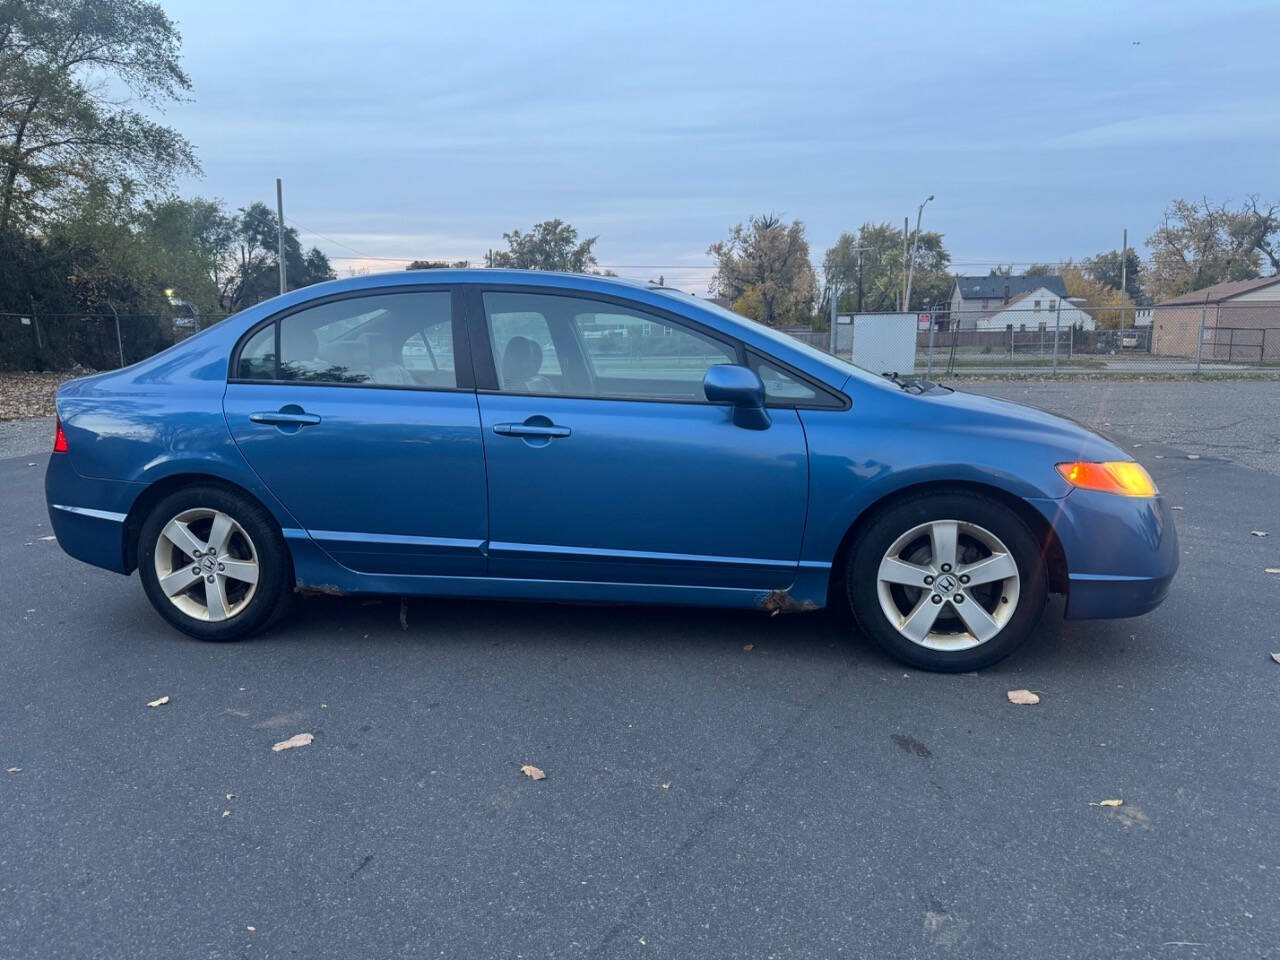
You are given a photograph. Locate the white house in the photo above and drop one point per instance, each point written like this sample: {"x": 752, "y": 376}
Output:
{"x": 1033, "y": 309}
{"x": 976, "y": 297}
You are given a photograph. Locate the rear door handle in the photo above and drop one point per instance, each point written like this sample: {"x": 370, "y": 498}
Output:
{"x": 281, "y": 418}
{"x": 530, "y": 430}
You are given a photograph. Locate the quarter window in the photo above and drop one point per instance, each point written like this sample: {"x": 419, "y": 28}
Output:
{"x": 783, "y": 387}
{"x": 258, "y": 356}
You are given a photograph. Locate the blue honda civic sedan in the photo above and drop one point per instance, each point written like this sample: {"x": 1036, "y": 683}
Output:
{"x": 485, "y": 433}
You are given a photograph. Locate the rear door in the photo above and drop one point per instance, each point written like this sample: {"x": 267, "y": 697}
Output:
{"x": 359, "y": 413}
{"x": 606, "y": 462}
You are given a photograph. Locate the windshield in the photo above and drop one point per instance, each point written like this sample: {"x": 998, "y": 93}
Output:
{"x": 777, "y": 336}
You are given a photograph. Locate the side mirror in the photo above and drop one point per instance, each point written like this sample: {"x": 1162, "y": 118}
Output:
{"x": 729, "y": 383}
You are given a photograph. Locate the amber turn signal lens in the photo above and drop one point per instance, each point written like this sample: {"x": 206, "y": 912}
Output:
{"x": 1125, "y": 477}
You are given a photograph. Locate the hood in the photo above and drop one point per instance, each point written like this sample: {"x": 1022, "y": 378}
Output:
{"x": 995, "y": 418}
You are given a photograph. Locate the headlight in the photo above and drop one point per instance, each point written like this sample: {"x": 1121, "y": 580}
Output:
{"x": 1125, "y": 477}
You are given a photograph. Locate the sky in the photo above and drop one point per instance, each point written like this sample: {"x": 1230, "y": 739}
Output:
{"x": 427, "y": 130}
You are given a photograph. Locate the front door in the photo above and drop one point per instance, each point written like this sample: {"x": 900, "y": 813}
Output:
{"x": 606, "y": 462}
{"x": 359, "y": 414}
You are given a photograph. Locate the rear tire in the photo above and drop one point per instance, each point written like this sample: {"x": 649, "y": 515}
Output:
{"x": 947, "y": 581}
{"x": 214, "y": 564}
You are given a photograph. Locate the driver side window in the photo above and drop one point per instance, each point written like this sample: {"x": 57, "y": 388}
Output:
{"x": 614, "y": 351}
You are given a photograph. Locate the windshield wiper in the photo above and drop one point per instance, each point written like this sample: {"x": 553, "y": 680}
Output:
{"x": 911, "y": 384}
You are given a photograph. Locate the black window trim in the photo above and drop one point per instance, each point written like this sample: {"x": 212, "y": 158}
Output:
{"x": 835, "y": 400}
{"x": 464, "y": 370}
{"x": 487, "y": 372}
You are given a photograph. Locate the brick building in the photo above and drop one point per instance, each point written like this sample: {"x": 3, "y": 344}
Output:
{"x": 1241, "y": 322}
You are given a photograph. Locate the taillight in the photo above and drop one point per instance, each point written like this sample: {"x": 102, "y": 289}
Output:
{"x": 59, "y": 438}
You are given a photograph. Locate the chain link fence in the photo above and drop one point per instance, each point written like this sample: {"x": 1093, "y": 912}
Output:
{"x": 1202, "y": 339}
{"x": 91, "y": 341}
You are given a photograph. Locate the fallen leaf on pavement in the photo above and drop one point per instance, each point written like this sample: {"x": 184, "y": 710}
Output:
{"x": 226, "y": 813}
{"x": 1022, "y": 697}
{"x": 1276, "y": 657}
{"x": 159, "y": 703}
{"x": 749, "y": 647}
{"x": 297, "y": 740}
{"x": 1258, "y": 533}
{"x": 231, "y": 796}
{"x": 667, "y": 785}
{"x": 1108, "y": 803}
{"x": 532, "y": 772}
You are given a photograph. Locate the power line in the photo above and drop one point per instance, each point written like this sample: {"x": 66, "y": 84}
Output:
{"x": 316, "y": 233}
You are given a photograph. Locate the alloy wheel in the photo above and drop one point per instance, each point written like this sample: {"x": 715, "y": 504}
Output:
{"x": 948, "y": 585}
{"x": 206, "y": 564}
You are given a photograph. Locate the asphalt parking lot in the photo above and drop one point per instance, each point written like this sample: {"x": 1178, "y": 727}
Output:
{"x": 806, "y": 797}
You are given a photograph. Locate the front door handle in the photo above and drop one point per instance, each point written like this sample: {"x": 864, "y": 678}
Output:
{"x": 285, "y": 418}
{"x": 539, "y": 430}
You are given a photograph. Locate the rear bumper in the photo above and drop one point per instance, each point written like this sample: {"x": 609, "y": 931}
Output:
{"x": 1121, "y": 552}
{"x": 88, "y": 515}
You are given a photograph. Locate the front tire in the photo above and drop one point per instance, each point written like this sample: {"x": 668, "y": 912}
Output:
{"x": 947, "y": 581}
{"x": 213, "y": 563}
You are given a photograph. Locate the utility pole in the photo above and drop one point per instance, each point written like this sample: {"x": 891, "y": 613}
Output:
{"x": 1124, "y": 272}
{"x": 911, "y": 268}
{"x": 280, "y": 231}
{"x": 860, "y": 249}
{"x": 834, "y": 293}
{"x": 906, "y": 225}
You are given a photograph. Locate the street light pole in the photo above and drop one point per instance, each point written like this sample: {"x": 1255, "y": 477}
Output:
{"x": 911, "y": 266}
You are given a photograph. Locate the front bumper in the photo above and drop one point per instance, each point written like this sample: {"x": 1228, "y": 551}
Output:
{"x": 1121, "y": 552}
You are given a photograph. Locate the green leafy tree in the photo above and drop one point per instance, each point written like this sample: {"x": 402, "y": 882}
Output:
{"x": 1108, "y": 269}
{"x": 551, "y": 245}
{"x": 868, "y": 268}
{"x": 192, "y": 242}
{"x": 63, "y": 125}
{"x": 255, "y": 276}
{"x": 1200, "y": 244}
{"x": 764, "y": 269}
{"x": 438, "y": 265}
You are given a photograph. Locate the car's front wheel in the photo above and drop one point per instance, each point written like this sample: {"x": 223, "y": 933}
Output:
{"x": 947, "y": 581}
{"x": 213, "y": 563}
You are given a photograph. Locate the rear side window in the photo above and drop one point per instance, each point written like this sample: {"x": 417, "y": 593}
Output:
{"x": 388, "y": 340}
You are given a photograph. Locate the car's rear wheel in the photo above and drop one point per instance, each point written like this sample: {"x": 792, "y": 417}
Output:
{"x": 947, "y": 581}
{"x": 213, "y": 563}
